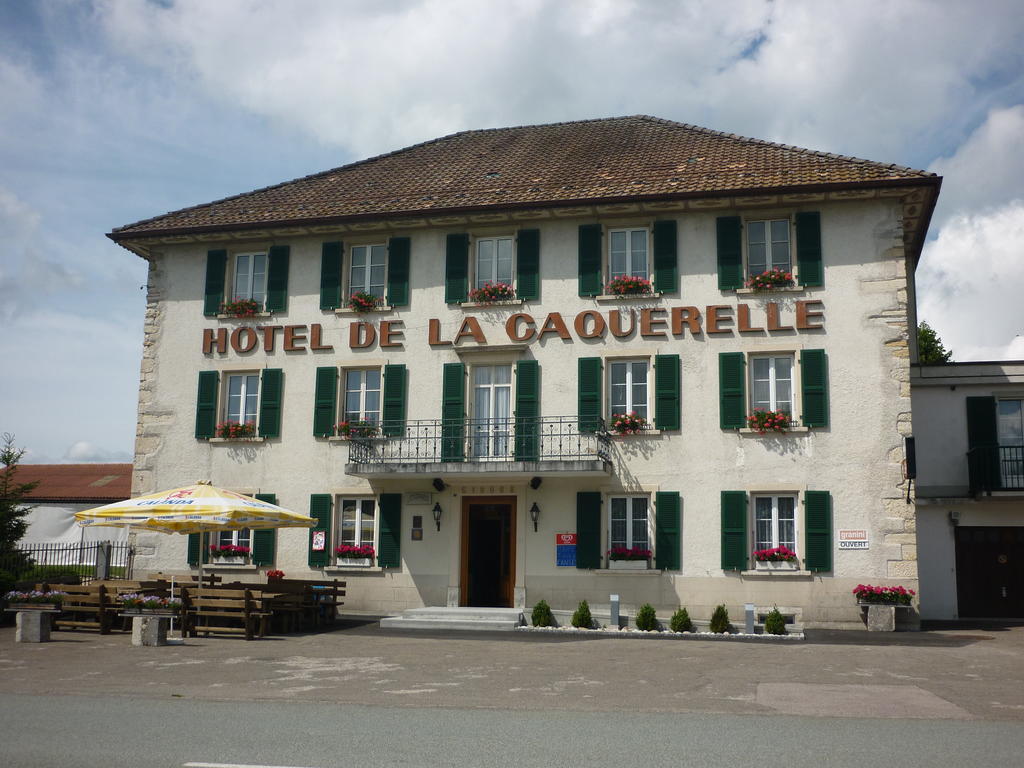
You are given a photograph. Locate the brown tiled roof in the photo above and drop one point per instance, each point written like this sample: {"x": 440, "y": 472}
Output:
{"x": 85, "y": 483}
{"x": 606, "y": 160}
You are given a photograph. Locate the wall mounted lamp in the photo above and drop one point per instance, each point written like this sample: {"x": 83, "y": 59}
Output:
{"x": 437, "y": 515}
{"x": 535, "y": 515}
{"x": 438, "y": 484}
{"x": 535, "y": 482}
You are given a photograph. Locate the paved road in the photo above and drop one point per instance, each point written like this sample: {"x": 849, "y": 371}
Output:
{"x": 144, "y": 733}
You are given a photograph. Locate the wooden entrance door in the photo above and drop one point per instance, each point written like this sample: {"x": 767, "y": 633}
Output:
{"x": 488, "y": 551}
{"x": 990, "y": 572}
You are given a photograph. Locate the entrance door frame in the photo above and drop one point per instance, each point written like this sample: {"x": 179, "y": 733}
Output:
{"x": 508, "y": 592}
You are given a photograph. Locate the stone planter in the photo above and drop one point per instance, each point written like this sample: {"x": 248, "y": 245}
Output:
{"x": 629, "y": 565}
{"x": 882, "y": 616}
{"x": 775, "y": 565}
{"x": 355, "y": 562}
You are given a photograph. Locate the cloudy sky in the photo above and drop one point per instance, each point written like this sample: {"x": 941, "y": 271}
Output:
{"x": 117, "y": 110}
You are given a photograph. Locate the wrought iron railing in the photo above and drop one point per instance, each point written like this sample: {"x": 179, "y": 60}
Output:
{"x": 553, "y": 438}
{"x": 65, "y": 563}
{"x": 996, "y": 468}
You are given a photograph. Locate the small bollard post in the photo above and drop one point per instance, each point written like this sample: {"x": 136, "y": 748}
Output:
{"x": 614, "y": 620}
{"x": 749, "y": 611}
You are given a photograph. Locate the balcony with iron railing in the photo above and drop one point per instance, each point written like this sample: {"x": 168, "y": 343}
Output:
{"x": 552, "y": 445}
{"x": 994, "y": 468}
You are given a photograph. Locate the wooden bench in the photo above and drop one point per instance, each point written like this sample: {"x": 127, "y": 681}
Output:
{"x": 85, "y": 607}
{"x": 320, "y": 599}
{"x": 223, "y": 611}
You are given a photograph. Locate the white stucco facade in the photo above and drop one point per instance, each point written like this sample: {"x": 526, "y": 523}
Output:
{"x": 861, "y": 309}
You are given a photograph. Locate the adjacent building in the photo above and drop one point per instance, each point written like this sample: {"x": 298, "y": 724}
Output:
{"x": 503, "y": 358}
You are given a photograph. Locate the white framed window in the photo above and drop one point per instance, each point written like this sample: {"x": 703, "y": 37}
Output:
{"x": 362, "y": 395}
{"x": 491, "y": 427}
{"x": 628, "y": 387}
{"x": 629, "y": 522}
{"x": 250, "y": 277}
{"x": 495, "y": 261}
{"x": 242, "y": 538}
{"x": 628, "y": 253}
{"x": 368, "y": 269}
{"x": 242, "y": 396}
{"x": 769, "y": 246}
{"x": 1010, "y": 426}
{"x": 774, "y": 521}
{"x": 356, "y": 522}
{"x": 771, "y": 383}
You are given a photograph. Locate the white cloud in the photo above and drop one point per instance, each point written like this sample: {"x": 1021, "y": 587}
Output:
{"x": 970, "y": 284}
{"x": 86, "y": 452}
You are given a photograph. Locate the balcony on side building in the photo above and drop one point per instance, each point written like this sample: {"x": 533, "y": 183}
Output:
{"x": 493, "y": 448}
{"x": 996, "y": 468}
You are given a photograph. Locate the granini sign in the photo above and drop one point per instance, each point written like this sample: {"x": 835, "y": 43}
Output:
{"x": 524, "y": 328}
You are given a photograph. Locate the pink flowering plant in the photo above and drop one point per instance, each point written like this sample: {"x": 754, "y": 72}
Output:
{"x": 138, "y": 601}
{"x": 629, "y": 553}
{"x": 866, "y": 593}
{"x": 274, "y": 574}
{"x": 353, "y": 551}
{"x": 762, "y": 421}
{"x": 771, "y": 279}
{"x": 232, "y": 430}
{"x": 356, "y": 428}
{"x": 240, "y": 308}
{"x": 628, "y": 423}
{"x": 492, "y": 292}
{"x": 627, "y": 285}
{"x": 36, "y": 597}
{"x": 229, "y": 550}
{"x": 361, "y": 301}
{"x": 775, "y": 555}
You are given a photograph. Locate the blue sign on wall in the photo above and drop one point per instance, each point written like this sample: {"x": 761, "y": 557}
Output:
{"x": 565, "y": 555}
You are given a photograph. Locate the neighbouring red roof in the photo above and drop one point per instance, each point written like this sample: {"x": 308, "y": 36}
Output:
{"x": 85, "y": 483}
{"x": 593, "y": 161}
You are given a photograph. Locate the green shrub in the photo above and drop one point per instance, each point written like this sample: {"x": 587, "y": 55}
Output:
{"x": 646, "y": 618}
{"x": 541, "y": 616}
{"x": 680, "y": 621}
{"x": 581, "y": 618}
{"x": 774, "y": 624}
{"x": 6, "y": 582}
{"x": 720, "y": 620}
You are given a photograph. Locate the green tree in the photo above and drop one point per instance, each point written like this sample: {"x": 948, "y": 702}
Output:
{"x": 12, "y": 493}
{"x": 929, "y": 346}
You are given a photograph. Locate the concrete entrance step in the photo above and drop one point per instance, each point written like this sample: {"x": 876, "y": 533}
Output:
{"x": 479, "y": 619}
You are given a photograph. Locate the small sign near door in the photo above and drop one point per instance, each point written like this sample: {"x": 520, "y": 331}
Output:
{"x": 853, "y": 539}
{"x": 565, "y": 550}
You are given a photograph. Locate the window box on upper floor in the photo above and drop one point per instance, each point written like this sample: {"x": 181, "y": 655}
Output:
{"x": 491, "y": 270}
{"x": 630, "y": 397}
{"x": 372, "y": 402}
{"x": 377, "y": 272}
{"x": 246, "y": 283}
{"x": 636, "y": 262}
{"x": 757, "y": 253}
{"x": 236, "y": 406}
{"x": 780, "y": 384}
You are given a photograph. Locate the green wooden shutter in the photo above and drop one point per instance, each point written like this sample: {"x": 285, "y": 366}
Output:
{"x": 389, "y": 550}
{"x": 456, "y": 272}
{"x": 527, "y": 445}
{"x": 528, "y": 264}
{"x": 325, "y": 401}
{"x": 732, "y": 395}
{"x": 808, "y": 249}
{"x": 589, "y": 394}
{"x": 277, "y": 278}
{"x": 667, "y": 530}
{"x": 271, "y": 387}
{"x": 982, "y": 445}
{"x": 453, "y": 412}
{"x": 398, "y": 271}
{"x": 393, "y": 413}
{"x": 666, "y": 257}
{"x": 216, "y": 273}
{"x": 590, "y": 260}
{"x": 330, "y": 275}
{"x": 320, "y": 510}
{"x": 734, "y": 531}
{"x": 814, "y": 387}
{"x": 588, "y": 529}
{"x": 206, "y": 405}
{"x": 730, "y": 253}
{"x": 195, "y": 548}
{"x": 818, "y": 530}
{"x": 264, "y": 540}
{"x": 666, "y": 392}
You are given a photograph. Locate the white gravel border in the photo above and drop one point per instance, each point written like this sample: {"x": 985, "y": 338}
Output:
{"x": 656, "y": 634}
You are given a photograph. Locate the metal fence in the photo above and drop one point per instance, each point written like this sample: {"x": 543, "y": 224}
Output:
{"x": 69, "y": 562}
{"x": 996, "y": 468}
